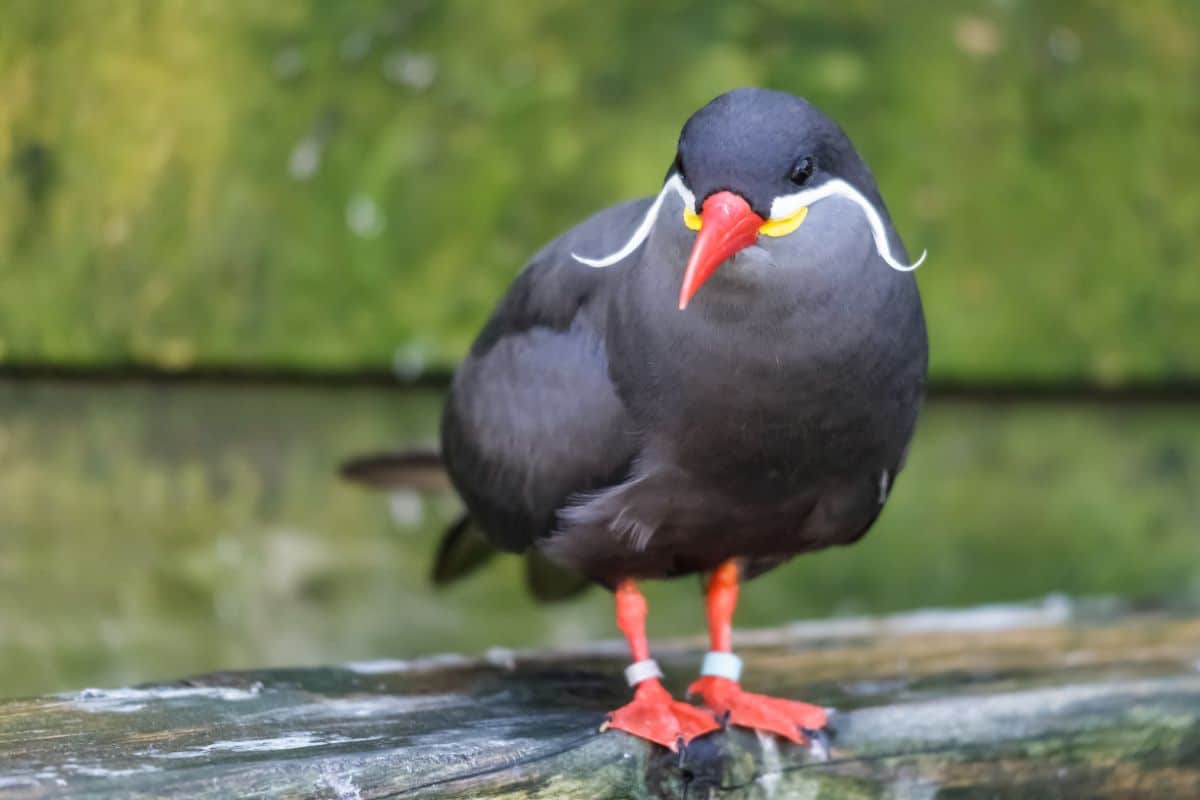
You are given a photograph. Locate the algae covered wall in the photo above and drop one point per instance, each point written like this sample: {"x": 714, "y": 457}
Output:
{"x": 335, "y": 186}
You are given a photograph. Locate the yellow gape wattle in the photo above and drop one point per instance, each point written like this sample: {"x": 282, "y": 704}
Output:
{"x": 782, "y": 227}
{"x": 772, "y": 227}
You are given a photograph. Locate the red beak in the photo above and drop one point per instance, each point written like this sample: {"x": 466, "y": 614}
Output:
{"x": 727, "y": 226}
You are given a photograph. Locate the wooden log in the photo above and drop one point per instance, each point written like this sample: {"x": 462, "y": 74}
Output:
{"x": 1008, "y": 702}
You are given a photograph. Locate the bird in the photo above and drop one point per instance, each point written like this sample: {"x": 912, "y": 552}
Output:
{"x": 706, "y": 381}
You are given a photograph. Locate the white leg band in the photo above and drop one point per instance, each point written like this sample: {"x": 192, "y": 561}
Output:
{"x": 722, "y": 665}
{"x": 640, "y": 671}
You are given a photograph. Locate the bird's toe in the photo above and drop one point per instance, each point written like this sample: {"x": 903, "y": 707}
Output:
{"x": 654, "y": 715}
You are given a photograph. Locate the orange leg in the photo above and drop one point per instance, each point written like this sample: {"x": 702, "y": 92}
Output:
{"x": 653, "y": 714}
{"x": 718, "y": 685}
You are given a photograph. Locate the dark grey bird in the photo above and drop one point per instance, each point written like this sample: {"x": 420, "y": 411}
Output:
{"x": 711, "y": 380}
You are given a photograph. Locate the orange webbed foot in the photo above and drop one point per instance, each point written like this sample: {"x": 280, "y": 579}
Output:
{"x": 790, "y": 719}
{"x": 655, "y": 715}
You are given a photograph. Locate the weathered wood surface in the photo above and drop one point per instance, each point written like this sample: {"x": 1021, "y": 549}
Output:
{"x": 1012, "y": 702}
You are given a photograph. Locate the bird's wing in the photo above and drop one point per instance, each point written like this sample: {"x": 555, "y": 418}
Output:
{"x": 532, "y": 417}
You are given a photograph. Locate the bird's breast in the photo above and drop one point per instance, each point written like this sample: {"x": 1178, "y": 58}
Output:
{"x": 778, "y": 392}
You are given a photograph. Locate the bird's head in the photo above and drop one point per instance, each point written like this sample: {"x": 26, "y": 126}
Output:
{"x": 750, "y": 167}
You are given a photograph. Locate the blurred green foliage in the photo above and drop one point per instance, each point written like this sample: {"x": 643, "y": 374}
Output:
{"x": 331, "y": 185}
{"x": 151, "y": 533}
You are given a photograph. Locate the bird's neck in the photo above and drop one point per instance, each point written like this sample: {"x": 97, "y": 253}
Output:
{"x": 752, "y": 313}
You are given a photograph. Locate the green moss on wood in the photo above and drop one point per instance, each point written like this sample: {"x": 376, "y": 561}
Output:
{"x": 525, "y": 726}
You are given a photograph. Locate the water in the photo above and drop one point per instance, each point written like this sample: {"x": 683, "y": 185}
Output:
{"x": 150, "y": 531}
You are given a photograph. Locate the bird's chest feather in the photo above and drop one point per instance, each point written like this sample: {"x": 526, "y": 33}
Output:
{"x": 763, "y": 435}
{"x": 772, "y": 393}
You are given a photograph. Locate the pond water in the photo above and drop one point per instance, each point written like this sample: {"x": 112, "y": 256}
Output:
{"x": 149, "y": 531}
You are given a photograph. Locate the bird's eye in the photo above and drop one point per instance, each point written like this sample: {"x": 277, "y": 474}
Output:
{"x": 802, "y": 170}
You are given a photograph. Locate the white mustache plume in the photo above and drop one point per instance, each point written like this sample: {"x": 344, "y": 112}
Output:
{"x": 789, "y": 204}
{"x": 673, "y": 184}
{"x": 781, "y": 208}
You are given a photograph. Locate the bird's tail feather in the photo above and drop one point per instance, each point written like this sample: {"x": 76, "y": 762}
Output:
{"x": 464, "y": 548}
{"x": 418, "y": 470}
{"x": 550, "y": 583}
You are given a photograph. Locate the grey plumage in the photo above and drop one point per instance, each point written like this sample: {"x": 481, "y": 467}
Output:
{"x": 597, "y": 424}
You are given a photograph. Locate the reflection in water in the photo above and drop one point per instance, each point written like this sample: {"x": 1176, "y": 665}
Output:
{"x": 148, "y": 532}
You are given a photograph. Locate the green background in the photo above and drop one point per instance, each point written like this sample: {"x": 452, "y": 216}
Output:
{"x": 334, "y": 186}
